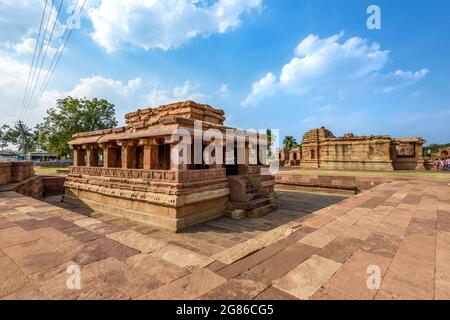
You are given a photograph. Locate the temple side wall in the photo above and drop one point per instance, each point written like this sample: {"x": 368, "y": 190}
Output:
{"x": 363, "y": 154}
{"x": 169, "y": 205}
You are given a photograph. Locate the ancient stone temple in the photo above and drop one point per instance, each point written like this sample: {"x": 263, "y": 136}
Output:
{"x": 130, "y": 171}
{"x": 321, "y": 149}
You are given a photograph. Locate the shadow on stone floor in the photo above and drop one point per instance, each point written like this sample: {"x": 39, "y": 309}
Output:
{"x": 291, "y": 206}
{"x": 219, "y": 234}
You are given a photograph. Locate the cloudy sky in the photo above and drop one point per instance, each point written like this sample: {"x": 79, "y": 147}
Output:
{"x": 288, "y": 65}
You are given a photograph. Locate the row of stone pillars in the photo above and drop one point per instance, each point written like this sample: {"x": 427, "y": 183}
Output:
{"x": 125, "y": 156}
{"x": 135, "y": 155}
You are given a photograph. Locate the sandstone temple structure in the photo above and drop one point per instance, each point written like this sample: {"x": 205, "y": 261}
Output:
{"x": 321, "y": 149}
{"x": 128, "y": 171}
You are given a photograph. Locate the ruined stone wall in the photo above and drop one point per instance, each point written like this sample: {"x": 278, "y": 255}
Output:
{"x": 321, "y": 149}
{"x": 295, "y": 181}
{"x": 186, "y": 109}
{"x": 5, "y": 173}
{"x": 53, "y": 185}
{"x": 406, "y": 154}
{"x": 21, "y": 171}
{"x": 444, "y": 152}
{"x": 33, "y": 188}
{"x": 364, "y": 153}
{"x": 11, "y": 172}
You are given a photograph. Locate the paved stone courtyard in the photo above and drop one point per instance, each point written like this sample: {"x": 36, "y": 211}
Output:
{"x": 312, "y": 247}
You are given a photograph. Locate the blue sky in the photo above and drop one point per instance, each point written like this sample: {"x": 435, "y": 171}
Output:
{"x": 288, "y": 65}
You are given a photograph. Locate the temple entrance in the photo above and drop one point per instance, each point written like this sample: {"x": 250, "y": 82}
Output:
{"x": 140, "y": 157}
{"x": 232, "y": 169}
{"x": 164, "y": 156}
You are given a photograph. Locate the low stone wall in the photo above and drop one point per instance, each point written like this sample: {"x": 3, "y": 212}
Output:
{"x": 5, "y": 173}
{"x": 37, "y": 187}
{"x": 53, "y": 164}
{"x": 53, "y": 185}
{"x": 12, "y": 172}
{"x": 430, "y": 164}
{"x": 357, "y": 165}
{"x": 32, "y": 187}
{"x": 349, "y": 183}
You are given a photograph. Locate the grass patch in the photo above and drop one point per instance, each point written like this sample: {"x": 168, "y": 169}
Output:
{"x": 50, "y": 171}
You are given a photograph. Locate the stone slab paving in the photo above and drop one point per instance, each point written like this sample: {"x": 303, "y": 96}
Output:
{"x": 312, "y": 247}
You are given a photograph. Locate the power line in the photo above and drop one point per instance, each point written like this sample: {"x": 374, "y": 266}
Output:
{"x": 40, "y": 50}
{"x": 46, "y": 51}
{"x": 34, "y": 56}
{"x": 55, "y": 60}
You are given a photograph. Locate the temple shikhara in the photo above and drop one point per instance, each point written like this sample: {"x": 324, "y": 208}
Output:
{"x": 129, "y": 171}
{"x": 321, "y": 149}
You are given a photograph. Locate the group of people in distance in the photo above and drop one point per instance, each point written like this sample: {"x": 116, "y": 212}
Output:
{"x": 443, "y": 164}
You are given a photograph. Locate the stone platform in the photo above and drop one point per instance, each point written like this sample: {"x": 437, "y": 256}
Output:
{"x": 312, "y": 247}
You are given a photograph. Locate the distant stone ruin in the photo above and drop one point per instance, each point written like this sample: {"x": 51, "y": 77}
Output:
{"x": 321, "y": 149}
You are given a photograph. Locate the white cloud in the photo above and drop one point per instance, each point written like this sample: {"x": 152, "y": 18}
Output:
{"x": 165, "y": 24}
{"x": 125, "y": 95}
{"x": 263, "y": 88}
{"x": 397, "y": 79}
{"x": 13, "y": 77}
{"x": 332, "y": 65}
{"x": 19, "y": 17}
{"x": 224, "y": 91}
{"x": 187, "y": 91}
{"x": 97, "y": 87}
{"x": 25, "y": 47}
{"x": 19, "y": 22}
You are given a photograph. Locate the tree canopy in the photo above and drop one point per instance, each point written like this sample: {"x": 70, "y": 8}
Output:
{"x": 20, "y": 135}
{"x": 289, "y": 143}
{"x": 270, "y": 138}
{"x": 71, "y": 116}
{"x": 435, "y": 147}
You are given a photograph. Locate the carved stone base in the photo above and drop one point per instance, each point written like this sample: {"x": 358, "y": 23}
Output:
{"x": 165, "y": 217}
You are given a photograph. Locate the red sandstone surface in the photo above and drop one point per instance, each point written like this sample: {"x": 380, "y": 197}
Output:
{"x": 403, "y": 227}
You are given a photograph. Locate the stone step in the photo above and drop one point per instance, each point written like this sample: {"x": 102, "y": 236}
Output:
{"x": 248, "y": 205}
{"x": 261, "y": 211}
{"x": 254, "y": 196}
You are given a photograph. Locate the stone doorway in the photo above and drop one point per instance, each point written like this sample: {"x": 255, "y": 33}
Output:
{"x": 231, "y": 166}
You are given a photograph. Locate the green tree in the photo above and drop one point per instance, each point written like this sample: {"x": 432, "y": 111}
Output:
{"x": 3, "y": 137}
{"x": 289, "y": 143}
{"x": 21, "y": 136}
{"x": 270, "y": 138}
{"x": 71, "y": 116}
{"x": 435, "y": 148}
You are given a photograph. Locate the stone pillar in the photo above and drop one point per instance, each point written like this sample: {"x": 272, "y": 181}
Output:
{"x": 420, "y": 166}
{"x": 173, "y": 164}
{"x": 111, "y": 157}
{"x": 91, "y": 157}
{"x": 78, "y": 157}
{"x": 151, "y": 157}
{"x": 128, "y": 157}
{"x": 243, "y": 168}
